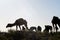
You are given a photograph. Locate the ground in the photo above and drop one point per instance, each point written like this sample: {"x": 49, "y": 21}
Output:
{"x": 28, "y": 35}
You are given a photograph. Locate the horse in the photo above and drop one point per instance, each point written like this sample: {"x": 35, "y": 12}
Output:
{"x": 17, "y": 23}
{"x": 55, "y": 21}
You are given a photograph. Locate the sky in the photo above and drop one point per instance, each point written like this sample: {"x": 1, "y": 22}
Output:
{"x": 36, "y": 12}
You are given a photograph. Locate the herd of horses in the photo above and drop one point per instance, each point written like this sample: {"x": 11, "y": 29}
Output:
{"x": 19, "y": 22}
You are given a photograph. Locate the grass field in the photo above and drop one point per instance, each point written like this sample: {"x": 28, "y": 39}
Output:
{"x": 28, "y": 35}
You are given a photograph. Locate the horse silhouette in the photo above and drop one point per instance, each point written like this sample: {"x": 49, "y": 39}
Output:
{"x": 17, "y": 23}
{"x": 47, "y": 28}
{"x": 32, "y": 28}
{"x": 55, "y": 21}
{"x": 39, "y": 28}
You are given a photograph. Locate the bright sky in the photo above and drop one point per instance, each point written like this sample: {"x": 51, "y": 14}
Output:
{"x": 36, "y": 12}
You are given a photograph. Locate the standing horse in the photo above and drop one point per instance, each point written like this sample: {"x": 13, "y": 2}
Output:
{"x": 55, "y": 21}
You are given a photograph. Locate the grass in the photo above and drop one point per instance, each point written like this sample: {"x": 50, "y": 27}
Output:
{"x": 28, "y": 35}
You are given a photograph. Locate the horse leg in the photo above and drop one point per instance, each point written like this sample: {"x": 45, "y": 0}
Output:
{"x": 53, "y": 26}
{"x": 51, "y": 30}
{"x": 26, "y": 26}
{"x": 16, "y": 27}
{"x": 56, "y": 27}
{"x": 19, "y": 27}
{"x": 59, "y": 25}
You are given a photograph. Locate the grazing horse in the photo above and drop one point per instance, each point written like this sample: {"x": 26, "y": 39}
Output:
{"x": 32, "y": 28}
{"x": 17, "y": 23}
{"x": 47, "y": 28}
{"x": 55, "y": 21}
{"x": 39, "y": 28}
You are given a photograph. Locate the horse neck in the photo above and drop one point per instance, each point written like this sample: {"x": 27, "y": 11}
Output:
{"x": 13, "y": 24}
